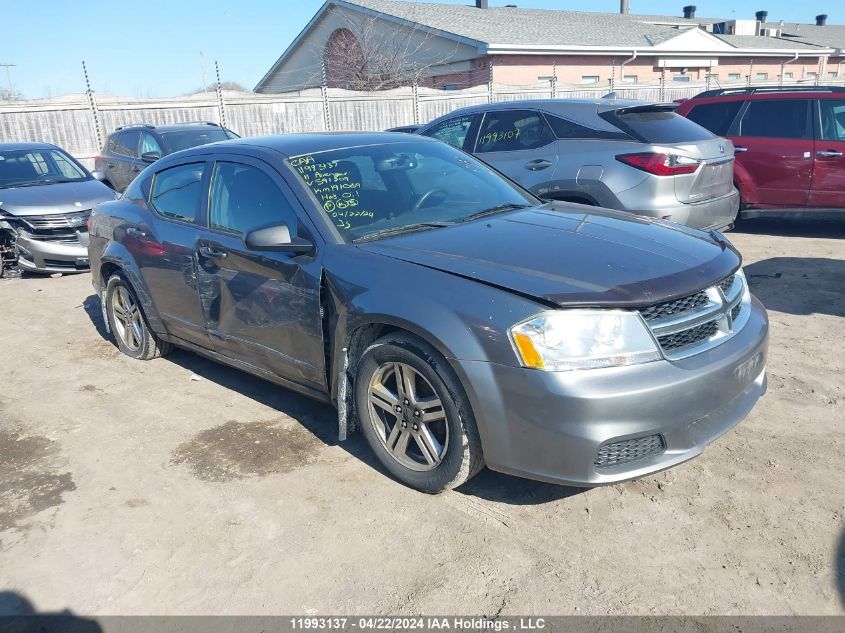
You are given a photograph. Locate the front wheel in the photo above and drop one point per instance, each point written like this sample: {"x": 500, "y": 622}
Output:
{"x": 126, "y": 321}
{"x": 415, "y": 415}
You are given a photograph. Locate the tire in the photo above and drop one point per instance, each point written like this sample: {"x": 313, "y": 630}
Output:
{"x": 427, "y": 421}
{"x": 131, "y": 332}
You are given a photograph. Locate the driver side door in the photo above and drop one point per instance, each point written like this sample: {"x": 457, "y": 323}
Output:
{"x": 261, "y": 308}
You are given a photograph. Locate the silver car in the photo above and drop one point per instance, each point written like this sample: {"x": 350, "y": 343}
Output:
{"x": 46, "y": 197}
{"x": 628, "y": 155}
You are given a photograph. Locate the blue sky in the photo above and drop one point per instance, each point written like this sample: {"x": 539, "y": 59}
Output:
{"x": 152, "y": 48}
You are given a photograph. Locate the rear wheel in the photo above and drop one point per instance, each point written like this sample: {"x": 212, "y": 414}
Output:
{"x": 127, "y": 323}
{"x": 415, "y": 415}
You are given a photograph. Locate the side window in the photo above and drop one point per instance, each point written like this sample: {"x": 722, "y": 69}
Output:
{"x": 833, "y": 119}
{"x": 510, "y": 130}
{"x": 452, "y": 131}
{"x": 244, "y": 198}
{"x": 149, "y": 144}
{"x": 127, "y": 143}
{"x": 716, "y": 117}
{"x": 567, "y": 129}
{"x": 176, "y": 192}
{"x": 784, "y": 118}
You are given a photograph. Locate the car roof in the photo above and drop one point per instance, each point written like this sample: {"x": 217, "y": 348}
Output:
{"x": 553, "y": 105}
{"x": 315, "y": 142}
{"x": 169, "y": 127}
{"x": 25, "y": 145}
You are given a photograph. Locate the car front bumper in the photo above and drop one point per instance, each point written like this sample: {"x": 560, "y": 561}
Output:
{"x": 45, "y": 256}
{"x": 551, "y": 425}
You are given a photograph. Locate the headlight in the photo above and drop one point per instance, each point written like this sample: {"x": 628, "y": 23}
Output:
{"x": 583, "y": 339}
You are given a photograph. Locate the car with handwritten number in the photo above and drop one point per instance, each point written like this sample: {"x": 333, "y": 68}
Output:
{"x": 449, "y": 314}
{"x": 620, "y": 154}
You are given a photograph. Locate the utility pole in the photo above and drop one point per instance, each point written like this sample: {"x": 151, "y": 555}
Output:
{"x": 9, "y": 78}
{"x": 202, "y": 68}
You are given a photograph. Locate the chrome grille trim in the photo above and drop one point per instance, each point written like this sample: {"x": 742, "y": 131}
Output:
{"x": 704, "y": 325}
{"x": 74, "y": 220}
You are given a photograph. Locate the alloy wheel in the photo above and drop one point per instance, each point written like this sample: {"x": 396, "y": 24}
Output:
{"x": 408, "y": 416}
{"x": 127, "y": 318}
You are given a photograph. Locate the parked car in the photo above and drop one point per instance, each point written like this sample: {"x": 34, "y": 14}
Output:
{"x": 130, "y": 148}
{"x": 454, "y": 317}
{"x": 407, "y": 129}
{"x": 618, "y": 154}
{"x": 46, "y": 197}
{"x": 789, "y": 143}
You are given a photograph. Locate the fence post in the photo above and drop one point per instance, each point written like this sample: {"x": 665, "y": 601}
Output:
{"x": 750, "y": 72}
{"x": 221, "y": 105}
{"x": 92, "y": 104}
{"x": 327, "y": 120}
{"x": 820, "y": 70}
{"x": 553, "y": 82}
{"x": 490, "y": 81}
{"x": 612, "y": 73}
{"x": 782, "y": 72}
{"x": 416, "y": 96}
{"x": 663, "y": 84}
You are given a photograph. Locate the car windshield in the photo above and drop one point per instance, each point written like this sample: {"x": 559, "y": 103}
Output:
{"x": 378, "y": 190}
{"x": 27, "y": 167}
{"x": 175, "y": 141}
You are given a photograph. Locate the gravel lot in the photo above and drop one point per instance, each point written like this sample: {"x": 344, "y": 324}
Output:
{"x": 131, "y": 488}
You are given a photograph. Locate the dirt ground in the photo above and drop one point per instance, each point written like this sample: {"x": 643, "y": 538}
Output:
{"x": 179, "y": 486}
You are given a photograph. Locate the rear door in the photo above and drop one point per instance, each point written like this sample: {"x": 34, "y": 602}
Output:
{"x": 828, "y": 190}
{"x": 262, "y": 308}
{"x": 774, "y": 147}
{"x": 520, "y": 144}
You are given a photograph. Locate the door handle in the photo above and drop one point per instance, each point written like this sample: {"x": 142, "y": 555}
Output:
{"x": 740, "y": 148}
{"x": 829, "y": 154}
{"x": 135, "y": 232}
{"x": 209, "y": 251}
{"x": 110, "y": 165}
{"x": 538, "y": 164}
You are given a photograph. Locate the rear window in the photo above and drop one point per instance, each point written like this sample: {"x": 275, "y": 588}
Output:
{"x": 175, "y": 141}
{"x": 657, "y": 126}
{"x": 716, "y": 117}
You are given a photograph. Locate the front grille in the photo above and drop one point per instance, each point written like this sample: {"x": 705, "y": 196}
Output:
{"x": 60, "y": 263}
{"x": 687, "y": 338}
{"x": 698, "y": 321}
{"x": 55, "y": 227}
{"x": 674, "y": 307}
{"x": 627, "y": 451}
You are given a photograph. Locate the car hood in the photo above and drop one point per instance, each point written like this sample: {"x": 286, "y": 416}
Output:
{"x": 61, "y": 197}
{"x": 565, "y": 256}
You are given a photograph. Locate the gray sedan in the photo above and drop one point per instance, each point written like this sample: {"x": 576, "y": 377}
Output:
{"x": 46, "y": 197}
{"x": 448, "y": 314}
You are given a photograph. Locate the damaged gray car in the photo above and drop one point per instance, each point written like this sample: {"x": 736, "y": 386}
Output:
{"x": 454, "y": 318}
{"x": 46, "y": 197}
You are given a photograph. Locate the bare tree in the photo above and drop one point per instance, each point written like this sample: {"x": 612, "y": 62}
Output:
{"x": 10, "y": 94}
{"x": 368, "y": 53}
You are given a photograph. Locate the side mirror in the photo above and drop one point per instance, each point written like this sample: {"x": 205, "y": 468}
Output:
{"x": 150, "y": 157}
{"x": 276, "y": 238}
{"x": 99, "y": 175}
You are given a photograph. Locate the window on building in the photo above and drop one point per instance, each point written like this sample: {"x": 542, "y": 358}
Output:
{"x": 761, "y": 76}
{"x": 630, "y": 79}
{"x": 734, "y": 76}
{"x": 831, "y": 74}
{"x": 788, "y": 76}
{"x": 776, "y": 118}
{"x": 681, "y": 78}
{"x": 810, "y": 75}
{"x": 589, "y": 79}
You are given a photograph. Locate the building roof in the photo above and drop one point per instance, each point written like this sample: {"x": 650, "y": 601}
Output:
{"x": 522, "y": 26}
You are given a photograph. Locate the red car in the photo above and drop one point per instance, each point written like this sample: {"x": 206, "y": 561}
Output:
{"x": 789, "y": 143}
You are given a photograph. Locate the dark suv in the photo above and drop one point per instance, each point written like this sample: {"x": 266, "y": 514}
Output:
{"x": 789, "y": 144}
{"x": 130, "y": 148}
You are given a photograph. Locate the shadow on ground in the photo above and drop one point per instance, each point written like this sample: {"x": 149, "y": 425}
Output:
{"x": 320, "y": 419}
{"x": 795, "y": 225}
{"x": 799, "y": 285}
{"x": 18, "y": 615}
